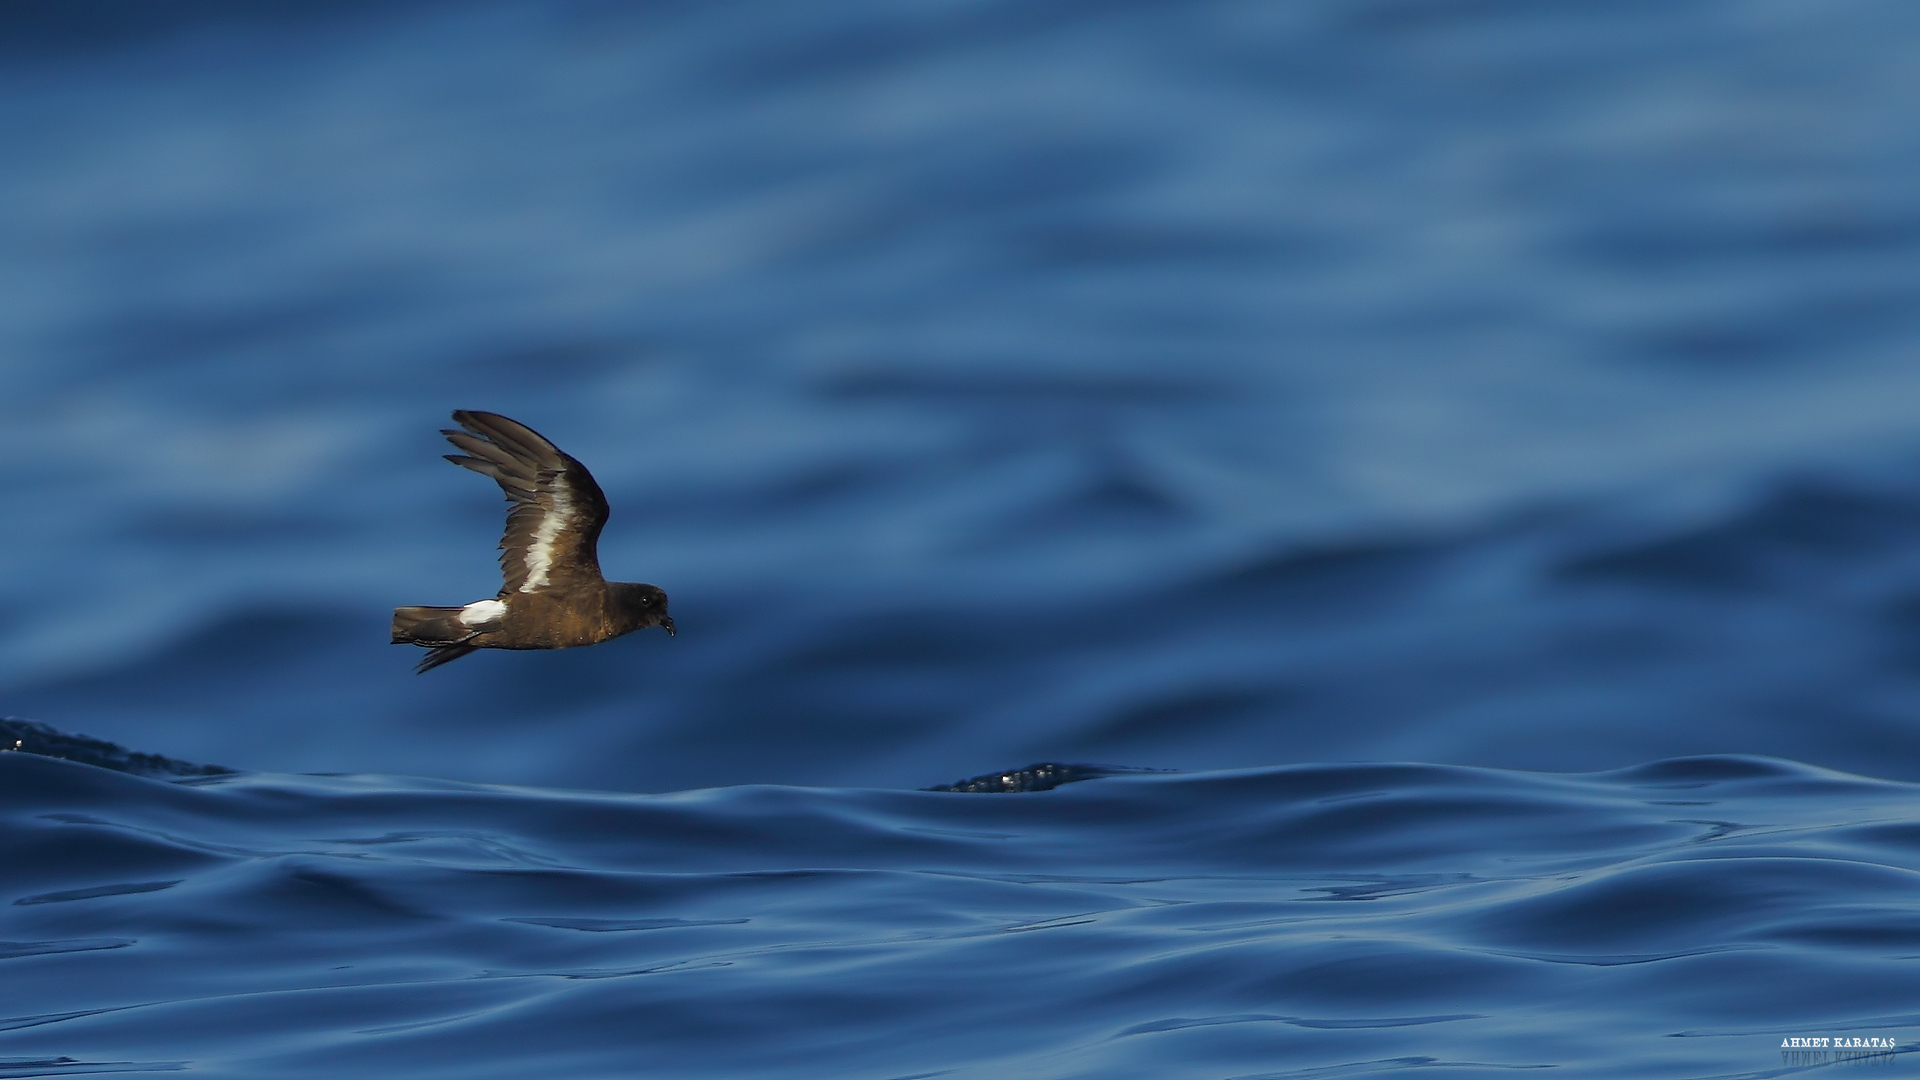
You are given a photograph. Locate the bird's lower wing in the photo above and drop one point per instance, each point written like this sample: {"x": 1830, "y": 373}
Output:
{"x": 443, "y": 654}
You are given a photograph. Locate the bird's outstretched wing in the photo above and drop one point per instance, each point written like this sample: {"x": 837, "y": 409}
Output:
{"x": 442, "y": 654}
{"x": 553, "y": 524}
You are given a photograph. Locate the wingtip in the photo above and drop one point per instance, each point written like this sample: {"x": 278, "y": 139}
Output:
{"x": 477, "y": 421}
{"x": 467, "y": 416}
{"x": 443, "y": 654}
{"x": 508, "y": 434}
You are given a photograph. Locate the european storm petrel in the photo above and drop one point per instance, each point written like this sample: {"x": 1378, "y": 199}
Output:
{"x": 554, "y": 596}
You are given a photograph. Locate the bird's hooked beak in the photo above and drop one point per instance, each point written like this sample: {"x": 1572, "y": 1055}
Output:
{"x": 668, "y": 623}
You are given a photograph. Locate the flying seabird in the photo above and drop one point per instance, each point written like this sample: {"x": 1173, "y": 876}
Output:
{"x": 553, "y": 596}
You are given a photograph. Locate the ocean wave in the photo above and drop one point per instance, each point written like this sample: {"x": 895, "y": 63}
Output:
{"x": 1679, "y": 918}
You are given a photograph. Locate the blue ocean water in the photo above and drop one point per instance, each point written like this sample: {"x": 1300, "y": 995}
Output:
{"x": 1678, "y": 919}
{"x": 1475, "y": 442}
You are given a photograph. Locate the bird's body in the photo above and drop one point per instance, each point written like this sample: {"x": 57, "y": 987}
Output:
{"x": 553, "y": 596}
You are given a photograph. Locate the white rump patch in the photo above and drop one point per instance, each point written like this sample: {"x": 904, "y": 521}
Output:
{"x": 481, "y": 612}
{"x": 540, "y": 552}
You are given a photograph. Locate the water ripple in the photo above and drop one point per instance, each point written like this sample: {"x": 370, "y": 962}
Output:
{"x": 1359, "y": 918}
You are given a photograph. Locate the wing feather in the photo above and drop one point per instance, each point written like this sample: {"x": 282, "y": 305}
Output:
{"x": 555, "y": 510}
{"x": 443, "y": 654}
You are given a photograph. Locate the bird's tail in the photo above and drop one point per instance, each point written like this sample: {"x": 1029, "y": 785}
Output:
{"x": 429, "y": 626}
{"x": 438, "y": 628}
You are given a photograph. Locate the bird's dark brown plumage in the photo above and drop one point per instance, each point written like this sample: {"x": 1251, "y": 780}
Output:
{"x": 552, "y": 595}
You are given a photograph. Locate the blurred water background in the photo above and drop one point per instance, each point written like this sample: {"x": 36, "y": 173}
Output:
{"x": 1200, "y": 385}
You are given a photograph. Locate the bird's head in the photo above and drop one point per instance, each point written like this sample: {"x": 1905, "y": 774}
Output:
{"x": 646, "y": 605}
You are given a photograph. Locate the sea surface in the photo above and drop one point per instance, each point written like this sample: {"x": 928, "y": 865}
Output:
{"x": 1471, "y": 448}
{"x": 1676, "y": 919}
